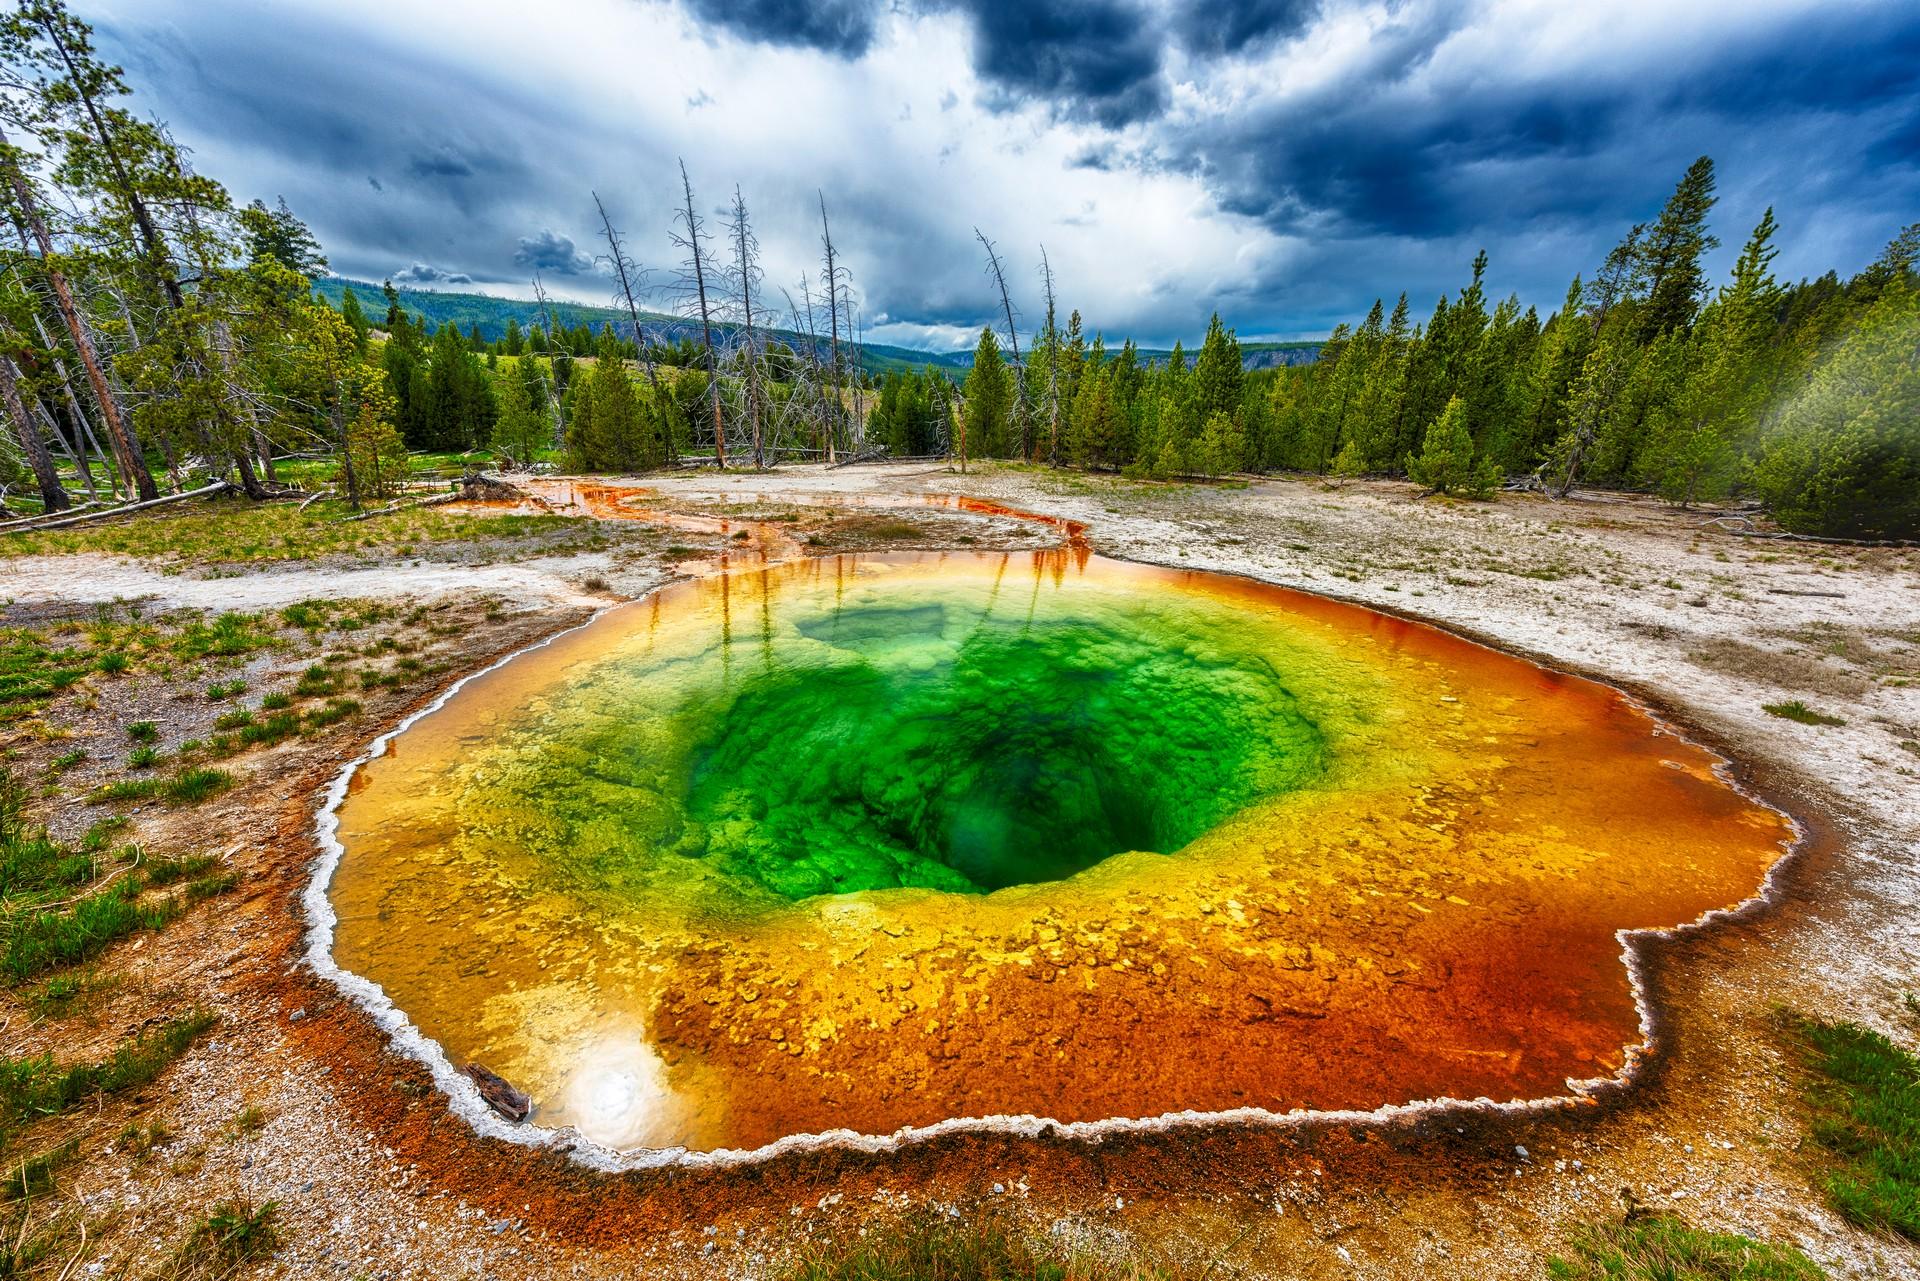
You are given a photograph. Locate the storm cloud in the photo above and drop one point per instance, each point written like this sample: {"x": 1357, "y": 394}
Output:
{"x": 1283, "y": 160}
{"x": 551, "y": 252}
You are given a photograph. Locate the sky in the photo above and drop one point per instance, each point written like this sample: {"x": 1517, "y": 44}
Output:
{"x": 1282, "y": 162}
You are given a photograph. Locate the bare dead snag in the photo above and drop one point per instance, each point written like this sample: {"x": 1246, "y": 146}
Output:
{"x": 692, "y": 244}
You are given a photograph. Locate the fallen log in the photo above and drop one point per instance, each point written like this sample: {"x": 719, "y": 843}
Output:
{"x": 510, "y": 1103}
{"x": 1742, "y": 527}
{"x": 217, "y": 487}
{"x": 435, "y": 501}
{"x": 1789, "y": 591}
{"x": 314, "y": 497}
{"x": 24, "y": 522}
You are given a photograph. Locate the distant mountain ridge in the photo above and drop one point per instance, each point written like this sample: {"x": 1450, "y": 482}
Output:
{"x": 491, "y": 314}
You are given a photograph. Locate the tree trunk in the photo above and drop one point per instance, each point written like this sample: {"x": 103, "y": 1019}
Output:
{"x": 833, "y": 320}
{"x": 52, "y": 497}
{"x": 346, "y": 446}
{"x": 746, "y": 310}
{"x": 706, "y": 322}
{"x": 131, "y": 463}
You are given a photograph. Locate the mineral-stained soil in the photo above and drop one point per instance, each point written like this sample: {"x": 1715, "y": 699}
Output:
{"x": 375, "y": 1176}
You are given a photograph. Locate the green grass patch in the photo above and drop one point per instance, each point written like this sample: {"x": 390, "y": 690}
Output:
{"x": 1663, "y": 1247}
{"x": 317, "y": 680}
{"x": 1799, "y": 711}
{"x": 221, "y": 531}
{"x": 203, "y": 888}
{"x": 231, "y": 1235}
{"x": 35, "y": 942}
{"x": 34, "y": 1085}
{"x": 221, "y": 690}
{"x": 189, "y": 786}
{"x": 160, "y": 872}
{"x": 332, "y": 713}
{"x": 31, "y": 1177}
{"x": 143, "y": 732}
{"x": 1865, "y": 1096}
{"x": 69, "y": 994}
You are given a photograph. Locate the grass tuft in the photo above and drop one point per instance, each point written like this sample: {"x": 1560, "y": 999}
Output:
{"x": 32, "y": 1176}
{"x": 1661, "y": 1247}
{"x": 42, "y": 941}
{"x": 1866, "y": 1112}
{"x": 233, "y": 1234}
{"x": 1800, "y": 712}
{"x": 35, "y": 1086}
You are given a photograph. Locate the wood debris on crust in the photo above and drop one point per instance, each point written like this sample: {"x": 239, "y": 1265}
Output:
{"x": 499, "y": 1094}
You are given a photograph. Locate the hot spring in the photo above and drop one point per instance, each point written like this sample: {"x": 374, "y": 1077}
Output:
{"x": 870, "y": 842}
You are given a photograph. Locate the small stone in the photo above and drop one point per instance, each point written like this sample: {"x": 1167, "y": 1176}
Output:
{"x": 1521, "y": 1152}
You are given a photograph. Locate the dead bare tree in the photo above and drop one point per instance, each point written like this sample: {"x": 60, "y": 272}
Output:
{"x": 746, "y": 272}
{"x": 553, "y": 391}
{"x": 629, "y": 273}
{"x": 832, "y": 282}
{"x": 1022, "y": 415}
{"x": 1053, "y": 362}
{"x": 690, "y": 240}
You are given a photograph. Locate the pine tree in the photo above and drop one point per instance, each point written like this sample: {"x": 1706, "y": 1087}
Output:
{"x": 1446, "y": 464}
{"x": 1671, "y": 252}
{"x": 356, "y": 319}
{"x": 278, "y": 235}
{"x": 522, "y": 423}
{"x": 1693, "y": 439}
{"x": 988, "y": 396}
{"x": 1218, "y": 374}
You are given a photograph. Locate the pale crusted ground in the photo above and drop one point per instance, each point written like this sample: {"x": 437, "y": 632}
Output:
{"x": 1693, "y": 619}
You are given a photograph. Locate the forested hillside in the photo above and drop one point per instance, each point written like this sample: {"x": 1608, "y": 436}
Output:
{"x": 487, "y": 321}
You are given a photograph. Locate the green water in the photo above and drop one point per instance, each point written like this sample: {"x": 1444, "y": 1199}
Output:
{"x": 922, "y": 735}
{"x": 1026, "y": 754}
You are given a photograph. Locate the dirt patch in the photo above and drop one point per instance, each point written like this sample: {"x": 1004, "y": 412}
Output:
{"x": 1785, "y": 668}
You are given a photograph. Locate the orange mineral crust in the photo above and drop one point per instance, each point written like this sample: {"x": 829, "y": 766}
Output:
{"x": 865, "y": 843}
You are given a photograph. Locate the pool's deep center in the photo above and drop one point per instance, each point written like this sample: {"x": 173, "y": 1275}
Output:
{"x": 1005, "y": 756}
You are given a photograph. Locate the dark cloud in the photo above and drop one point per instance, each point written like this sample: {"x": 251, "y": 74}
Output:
{"x": 1397, "y": 151}
{"x": 390, "y": 152}
{"x": 442, "y": 162}
{"x": 1229, "y": 26}
{"x": 401, "y": 148}
{"x": 1095, "y": 60}
{"x": 549, "y": 251}
{"x": 421, "y": 273}
{"x": 841, "y": 27}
